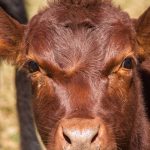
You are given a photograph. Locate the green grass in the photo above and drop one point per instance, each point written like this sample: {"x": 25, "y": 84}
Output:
{"x": 9, "y": 137}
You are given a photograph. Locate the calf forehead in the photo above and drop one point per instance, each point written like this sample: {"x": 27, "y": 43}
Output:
{"x": 71, "y": 36}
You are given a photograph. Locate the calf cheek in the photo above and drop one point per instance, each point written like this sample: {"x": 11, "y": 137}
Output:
{"x": 45, "y": 107}
{"x": 124, "y": 104}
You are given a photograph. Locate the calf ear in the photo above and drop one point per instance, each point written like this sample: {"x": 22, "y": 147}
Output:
{"x": 143, "y": 37}
{"x": 11, "y": 35}
{"x": 143, "y": 32}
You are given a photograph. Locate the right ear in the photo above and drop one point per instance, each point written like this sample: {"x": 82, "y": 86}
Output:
{"x": 11, "y": 37}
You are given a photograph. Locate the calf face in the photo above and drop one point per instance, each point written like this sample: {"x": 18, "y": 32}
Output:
{"x": 85, "y": 60}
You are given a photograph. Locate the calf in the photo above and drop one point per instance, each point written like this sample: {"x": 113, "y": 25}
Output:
{"x": 87, "y": 61}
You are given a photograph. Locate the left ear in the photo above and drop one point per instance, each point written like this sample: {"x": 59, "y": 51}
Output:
{"x": 11, "y": 37}
{"x": 143, "y": 36}
{"x": 143, "y": 32}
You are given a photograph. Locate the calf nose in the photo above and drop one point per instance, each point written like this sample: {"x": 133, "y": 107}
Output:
{"x": 87, "y": 136}
{"x": 80, "y": 134}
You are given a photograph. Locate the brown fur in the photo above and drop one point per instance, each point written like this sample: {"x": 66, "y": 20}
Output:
{"x": 80, "y": 47}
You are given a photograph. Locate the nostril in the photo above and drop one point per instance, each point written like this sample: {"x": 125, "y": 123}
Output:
{"x": 94, "y": 138}
{"x": 67, "y": 139}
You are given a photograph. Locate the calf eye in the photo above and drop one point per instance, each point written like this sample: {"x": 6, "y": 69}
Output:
{"x": 32, "y": 66}
{"x": 127, "y": 63}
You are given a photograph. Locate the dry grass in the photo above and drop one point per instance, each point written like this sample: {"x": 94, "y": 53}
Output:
{"x": 8, "y": 121}
{"x": 34, "y": 5}
{"x": 9, "y": 137}
{"x": 133, "y": 7}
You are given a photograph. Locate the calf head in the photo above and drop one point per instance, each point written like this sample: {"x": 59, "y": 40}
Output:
{"x": 85, "y": 59}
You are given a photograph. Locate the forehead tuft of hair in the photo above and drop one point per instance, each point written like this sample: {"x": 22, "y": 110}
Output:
{"x": 80, "y": 2}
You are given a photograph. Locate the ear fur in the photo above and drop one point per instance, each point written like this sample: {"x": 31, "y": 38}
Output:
{"x": 143, "y": 31}
{"x": 11, "y": 36}
{"x": 143, "y": 36}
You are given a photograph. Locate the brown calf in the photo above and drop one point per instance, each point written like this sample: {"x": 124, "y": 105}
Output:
{"x": 88, "y": 62}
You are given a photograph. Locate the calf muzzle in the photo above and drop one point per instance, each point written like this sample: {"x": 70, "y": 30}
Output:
{"x": 80, "y": 134}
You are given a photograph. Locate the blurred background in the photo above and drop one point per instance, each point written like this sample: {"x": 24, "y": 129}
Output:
{"x": 9, "y": 130}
